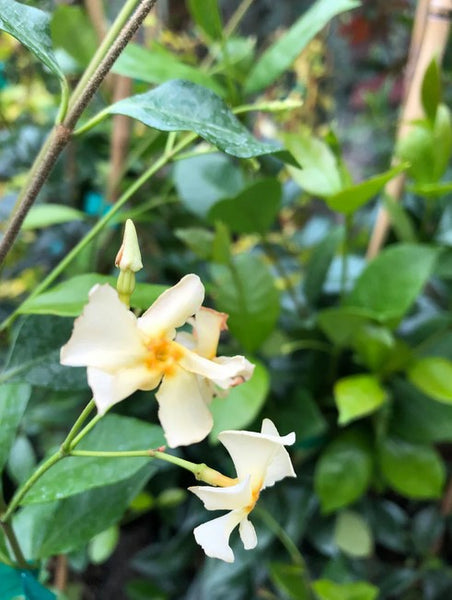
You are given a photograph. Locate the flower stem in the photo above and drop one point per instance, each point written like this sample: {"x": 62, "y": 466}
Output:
{"x": 79, "y": 437}
{"x": 286, "y": 541}
{"x": 77, "y": 425}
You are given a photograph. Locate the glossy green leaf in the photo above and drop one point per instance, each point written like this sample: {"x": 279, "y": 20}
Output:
{"x": 198, "y": 239}
{"x": 280, "y": 56}
{"x": 242, "y": 403}
{"x": 21, "y": 583}
{"x": 158, "y": 66}
{"x": 353, "y": 535}
{"x": 302, "y": 414}
{"x": 341, "y": 324}
{"x": 68, "y": 298}
{"x": 64, "y": 525}
{"x": 246, "y": 291}
{"x": 203, "y": 180}
{"x": 413, "y": 470}
{"x": 392, "y": 281}
{"x": 74, "y": 474}
{"x": 319, "y": 264}
{"x": 72, "y": 31}
{"x": 349, "y": 199}
{"x": 253, "y": 210}
{"x": 30, "y": 26}
{"x": 374, "y": 346}
{"x": 207, "y": 16}
{"x": 180, "y": 105}
{"x": 358, "y": 590}
{"x": 433, "y": 376}
{"x": 357, "y": 396}
{"x": 43, "y": 215}
{"x": 14, "y": 398}
{"x": 431, "y": 91}
{"x": 343, "y": 471}
{"x": 102, "y": 546}
{"x": 290, "y": 580}
{"x": 22, "y": 460}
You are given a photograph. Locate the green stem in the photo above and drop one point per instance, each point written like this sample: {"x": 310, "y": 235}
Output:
{"x": 17, "y": 551}
{"x": 91, "y": 123}
{"x": 286, "y": 541}
{"x": 66, "y": 445}
{"x": 79, "y": 437}
{"x": 64, "y": 102}
{"x": 238, "y": 15}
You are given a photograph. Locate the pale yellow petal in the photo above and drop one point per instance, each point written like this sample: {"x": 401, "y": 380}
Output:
{"x": 223, "y": 371}
{"x": 214, "y": 535}
{"x": 183, "y": 412}
{"x": 227, "y": 498}
{"x": 105, "y": 336}
{"x": 207, "y": 326}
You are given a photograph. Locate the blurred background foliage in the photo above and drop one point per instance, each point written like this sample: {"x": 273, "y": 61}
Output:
{"x": 355, "y": 357}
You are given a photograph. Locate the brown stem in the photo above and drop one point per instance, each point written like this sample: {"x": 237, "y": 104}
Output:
{"x": 60, "y": 579}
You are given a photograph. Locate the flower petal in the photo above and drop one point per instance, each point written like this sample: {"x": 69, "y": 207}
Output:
{"x": 223, "y": 371}
{"x": 183, "y": 411}
{"x": 214, "y": 535}
{"x": 173, "y": 307}
{"x": 247, "y": 534}
{"x": 280, "y": 466}
{"x": 105, "y": 336}
{"x": 207, "y": 326}
{"x": 224, "y": 498}
{"x": 109, "y": 389}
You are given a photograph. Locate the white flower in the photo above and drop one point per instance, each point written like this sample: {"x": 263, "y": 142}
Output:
{"x": 129, "y": 255}
{"x": 124, "y": 354}
{"x": 260, "y": 460}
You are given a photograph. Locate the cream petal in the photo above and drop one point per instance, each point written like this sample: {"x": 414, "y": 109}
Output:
{"x": 280, "y": 466}
{"x": 183, "y": 413}
{"x": 173, "y": 307}
{"x": 109, "y": 389}
{"x": 214, "y": 535}
{"x": 247, "y": 534}
{"x": 223, "y": 371}
{"x": 208, "y": 324}
{"x": 224, "y": 498}
{"x": 269, "y": 429}
{"x": 105, "y": 336}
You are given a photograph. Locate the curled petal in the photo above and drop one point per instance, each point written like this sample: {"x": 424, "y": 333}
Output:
{"x": 105, "y": 336}
{"x": 224, "y": 498}
{"x": 207, "y": 326}
{"x": 280, "y": 466}
{"x": 173, "y": 307}
{"x": 247, "y": 534}
{"x": 183, "y": 410}
{"x": 109, "y": 389}
{"x": 222, "y": 371}
{"x": 214, "y": 535}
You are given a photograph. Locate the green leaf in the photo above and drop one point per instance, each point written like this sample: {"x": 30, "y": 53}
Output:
{"x": 21, "y": 583}
{"x": 357, "y": 396}
{"x": 349, "y": 199}
{"x": 158, "y": 66}
{"x": 68, "y": 298}
{"x": 374, "y": 346}
{"x": 14, "y": 398}
{"x": 246, "y": 291}
{"x": 302, "y": 415}
{"x": 199, "y": 240}
{"x": 72, "y": 31}
{"x": 400, "y": 220}
{"x": 431, "y": 91}
{"x": 319, "y": 264}
{"x": 102, "y": 546}
{"x": 341, "y": 324}
{"x": 413, "y": 470}
{"x": 358, "y": 590}
{"x": 64, "y": 525}
{"x": 253, "y": 210}
{"x": 320, "y": 174}
{"x": 343, "y": 471}
{"x": 290, "y": 580}
{"x": 206, "y": 15}
{"x": 242, "y": 404}
{"x": 30, "y": 26}
{"x": 392, "y": 281}
{"x": 203, "y": 180}
{"x": 433, "y": 376}
{"x": 180, "y": 105}
{"x": 353, "y": 535}
{"x": 74, "y": 474}
{"x": 432, "y": 190}
{"x": 280, "y": 56}
{"x": 22, "y": 460}
{"x": 43, "y": 215}
{"x": 442, "y": 141}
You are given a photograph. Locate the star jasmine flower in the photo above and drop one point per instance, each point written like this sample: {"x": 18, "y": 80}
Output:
{"x": 260, "y": 460}
{"x": 124, "y": 353}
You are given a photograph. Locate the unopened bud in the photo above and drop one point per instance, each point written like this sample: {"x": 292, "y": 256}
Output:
{"x": 129, "y": 255}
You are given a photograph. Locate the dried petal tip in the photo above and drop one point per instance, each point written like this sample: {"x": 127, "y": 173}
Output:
{"x": 129, "y": 255}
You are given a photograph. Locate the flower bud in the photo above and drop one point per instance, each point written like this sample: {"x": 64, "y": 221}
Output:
{"x": 128, "y": 260}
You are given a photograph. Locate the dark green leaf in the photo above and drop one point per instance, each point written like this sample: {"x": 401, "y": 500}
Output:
{"x": 30, "y": 26}
{"x": 253, "y": 210}
{"x": 13, "y": 402}
{"x": 158, "y": 66}
{"x": 319, "y": 264}
{"x": 328, "y": 590}
{"x": 413, "y": 470}
{"x": 291, "y": 580}
{"x": 400, "y": 220}
{"x": 180, "y": 105}
{"x": 357, "y": 396}
{"x": 206, "y": 15}
{"x": 73, "y": 475}
{"x": 352, "y": 534}
{"x": 43, "y": 215}
{"x": 341, "y": 324}
{"x": 73, "y": 32}
{"x": 246, "y": 291}
{"x": 428, "y": 528}
{"x": 280, "y": 56}
{"x": 433, "y": 376}
{"x": 343, "y": 471}
{"x": 242, "y": 403}
{"x": 303, "y": 416}
{"x": 374, "y": 346}
{"x": 203, "y": 180}
{"x": 431, "y": 89}
{"x": 392, "y": 281}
